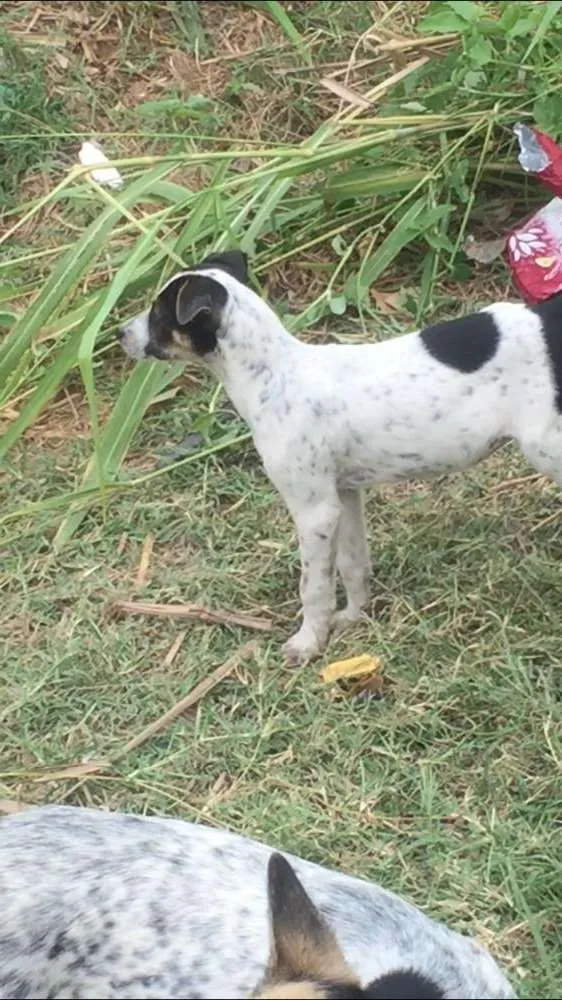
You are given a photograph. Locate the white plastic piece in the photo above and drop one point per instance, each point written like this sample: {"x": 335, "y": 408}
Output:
{"x": 91, "y": 155}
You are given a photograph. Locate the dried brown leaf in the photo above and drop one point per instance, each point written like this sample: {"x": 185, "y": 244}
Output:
{"x": 345, "y": 93}
{"x": 484, "y": 251}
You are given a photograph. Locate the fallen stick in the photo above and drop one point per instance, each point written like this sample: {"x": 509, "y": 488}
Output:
{"x": 401, "y": 44}
{"x": 70, "y": 773}
{"x": 192, "y": 611}
{"x": 546, "y": 520}
{"x": 191, "y": 699}
{"x": 510, "y": 484}
{"x": 173, "y": 650}
{"x": 144, "y": 563}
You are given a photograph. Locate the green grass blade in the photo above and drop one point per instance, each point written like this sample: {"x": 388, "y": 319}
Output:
{"x": 68, "y": 272}
{"x": 368, "y": 182}
{"x": 145, "y": 382}
{"x": 46, "y": 389}
{"x": 404, "y": 232}
{"x": 118, "y": 285}
{"x": 278, "y": 13}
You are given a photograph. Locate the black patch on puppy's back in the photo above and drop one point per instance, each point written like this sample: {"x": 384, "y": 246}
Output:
{"x": 550, "y": 315}
{"x": 465, "y": 344}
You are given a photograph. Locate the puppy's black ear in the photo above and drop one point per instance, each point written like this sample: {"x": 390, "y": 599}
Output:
{"x": 303, "y": 946}
{"x": 234, "y": 262}
{"x": 199, "y": 305}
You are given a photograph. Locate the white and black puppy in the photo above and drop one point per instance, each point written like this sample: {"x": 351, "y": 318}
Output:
{"x": 328, "y": 420}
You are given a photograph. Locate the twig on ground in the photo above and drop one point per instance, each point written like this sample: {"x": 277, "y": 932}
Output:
{"x": 194, "y": 612}
{"x": 71, "y": 772}
{"x": 547, "y": 520}
{"x": 173, "y": 650}
{"x": 144, "y": 563}
{"x": 515, "y": 481}
{"x": 187, "y": 702}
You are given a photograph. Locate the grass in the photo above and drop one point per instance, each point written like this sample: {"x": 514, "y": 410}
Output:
{"x": 447, "y": 789}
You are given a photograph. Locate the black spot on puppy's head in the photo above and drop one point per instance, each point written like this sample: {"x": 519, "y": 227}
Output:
{"x": 186, "y": 317}
{"x": 187, "y": 314}
{"x": 465, "y": 344}
{"x": 234, "y": 262}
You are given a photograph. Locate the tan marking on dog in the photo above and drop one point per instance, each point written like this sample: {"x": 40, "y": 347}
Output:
{"x": 292, "y": 991}
{"x": 299, "y": 956}
{"x": 304, "y": 950}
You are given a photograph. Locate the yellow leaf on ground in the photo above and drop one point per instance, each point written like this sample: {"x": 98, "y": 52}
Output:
{"x": 356, "y": 666}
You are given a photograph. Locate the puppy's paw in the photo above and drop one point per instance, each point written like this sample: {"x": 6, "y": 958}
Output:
{"x": 301, "y": 648}
{"x": 346, "y": 618}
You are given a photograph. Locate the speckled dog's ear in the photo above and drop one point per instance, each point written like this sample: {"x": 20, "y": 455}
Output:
{"x": 234, "y": 262}
{"x": 199, "y": 305}
{"x": 303, "y": 946}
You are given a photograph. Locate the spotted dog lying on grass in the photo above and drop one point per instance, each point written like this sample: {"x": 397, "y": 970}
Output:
{"x": 330, "y": 419}
{"x": 114, "y": 906}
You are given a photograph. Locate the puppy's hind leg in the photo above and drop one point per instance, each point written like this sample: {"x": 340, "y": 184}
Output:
{"x": 317, "y": 526}
{"x": 544, "y": 450}
{"x": 353, "y": 558}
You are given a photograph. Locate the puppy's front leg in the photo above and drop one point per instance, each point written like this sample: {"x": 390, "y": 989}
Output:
{"x": 317, "y": 527}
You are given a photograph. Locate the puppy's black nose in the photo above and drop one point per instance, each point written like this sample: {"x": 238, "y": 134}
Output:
{"x": 120, "y": 333}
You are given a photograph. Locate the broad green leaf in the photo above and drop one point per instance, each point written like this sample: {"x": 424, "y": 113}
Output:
{"x": 547, "y": 13}
{"x": 118, "y": 284}
{"x": 46, "y": 389}
{"x": 7, "y": 319}
{"x": 366, "y": 182}
{"x": 278, "y": 13}
{"x": 177, "y": 194}
{"x": 406, "y": 230}
{"x": 547, "y": 112}
{"x": 479, "y": 50}
{"x": 442, "y": 22}
{"x": 337, "y": 304}
{"x": 193, "y": 107}
{"x": 466, "y": 9}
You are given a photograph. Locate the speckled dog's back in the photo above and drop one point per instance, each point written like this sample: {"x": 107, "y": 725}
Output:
{"x": 111, "y": 906}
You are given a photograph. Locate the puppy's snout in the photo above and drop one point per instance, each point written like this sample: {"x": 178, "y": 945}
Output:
{"x": 121, "y": 332}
